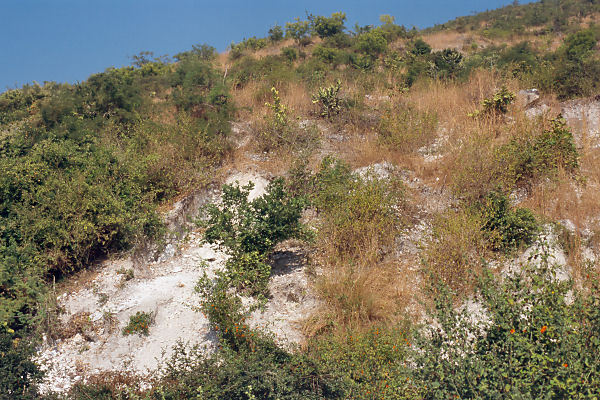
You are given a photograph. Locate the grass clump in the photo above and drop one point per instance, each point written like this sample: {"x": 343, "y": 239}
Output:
{"x": 406, "y": 129}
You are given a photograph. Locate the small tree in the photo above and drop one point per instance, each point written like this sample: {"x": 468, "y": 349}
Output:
{"x": 297, "y": 30}
{"x": 326, "y": 27}
{"x": 276, "y": 33}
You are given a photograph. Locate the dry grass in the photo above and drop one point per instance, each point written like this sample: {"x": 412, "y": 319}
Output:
{"x": 452, "y": 253}
{"x": 358, "y": 297}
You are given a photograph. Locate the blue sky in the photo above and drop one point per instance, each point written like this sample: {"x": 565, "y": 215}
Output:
{"x": 68, "y": 40}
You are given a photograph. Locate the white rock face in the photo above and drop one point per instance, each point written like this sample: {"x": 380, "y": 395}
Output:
{"x": 583, "y": 116}
{"x": 528, "y": 96}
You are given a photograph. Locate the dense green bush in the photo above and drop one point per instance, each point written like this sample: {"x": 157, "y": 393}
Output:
{"x": 497, "y": 104}
{"x": 536, "y": 337}
{"x": 326, "y": 27}
{"x": 372, "y": 43}
{"x": 276, "y": 33}
{"x": 248, "y": 230}
{"x": 507, "y": 228}
{"x": 139, "y": 324}
{"x": 447, "y": 63}
{"x": 298, "y": 30}
{"x": 19, "y": 375}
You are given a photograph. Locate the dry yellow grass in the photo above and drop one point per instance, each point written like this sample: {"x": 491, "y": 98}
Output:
{"x": 358, "y": 297}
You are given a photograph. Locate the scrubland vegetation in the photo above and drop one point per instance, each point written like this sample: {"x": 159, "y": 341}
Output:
{"x": 87, "y": 168}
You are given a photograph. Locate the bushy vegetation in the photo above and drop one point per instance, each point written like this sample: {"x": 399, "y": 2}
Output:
{"x": 248, "y": 231}
{"x": 528, "y": 340}
{"x": 85, "y": 166}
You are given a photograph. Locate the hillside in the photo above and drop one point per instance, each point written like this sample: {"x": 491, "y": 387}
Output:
{"x": 366, "y": 213}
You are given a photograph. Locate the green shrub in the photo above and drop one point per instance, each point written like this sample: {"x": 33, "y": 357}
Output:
{"x": 372, "y": 43}
{"x": 298, "y": 30}
{"x": 329, "y": 100}
{"x": 496, "y": 105}
{"x": 507, "y": 228}
{"x": 522, "y": 161}
{"x": 248, "y": 230}
{"x": 420, "y": 48}
{"x": 537, "y": 337}
{"x": 19, "y": 375}
{"x": 139, "y": 324}
{"x": 447, "y": 63}
{"x": 276, "y": 33}
{"x": 326, "y": 27}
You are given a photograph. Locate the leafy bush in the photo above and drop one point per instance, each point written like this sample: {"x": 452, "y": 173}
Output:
{"x": 496, "y": 105}
{"x": 536, "y": 337}
{"x": 326, "y": 27}
{"x": 139, "y": 324}
{"x": 19, "y": 375}
{"x": 248, "y": 230}
{"x": 276, "y": 33}
{"x": 329, "y": 100}
{"x": 420, "y": 48}
{"x": 507, "y": 228}
{"x": 447, "y": 63}
{"x": 298, "y": 30}
{"x": 372, "y": 43}
{"x": 524, "y": 160}
{"x": 290, "y": 54}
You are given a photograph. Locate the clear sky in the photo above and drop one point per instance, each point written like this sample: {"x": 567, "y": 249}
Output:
{"x": 67, "y": 40}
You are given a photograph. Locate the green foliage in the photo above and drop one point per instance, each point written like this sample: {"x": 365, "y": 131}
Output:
{"x": 290, "y": 54}
{"x": 276, "y": 33}
{"x": 496, "y": 105}
{"x": 243, "y": 226}
{"x": 447, "y": 63}
{"x": 420, "y": 48}
{"x": 370, "y": 364}
{"x": 248, "y": 230}
{"x": 538, "y": 339}
{"x": 329, "y": 55}
{"x": 522, "y": 160}
{"x": 139, "y": 324}
{"x": 576, "y": 66}
{"x": 507, "y": 228}
{"x": 326, "y": 27}
{"x": 329, "y": 100}
{"x": 263, "y": 372}
{"x": 19, "y": 375}
{"x": 297, "y": 30}
{"x": 203, "y": 52}
{"x": 372, "y": 43}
